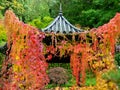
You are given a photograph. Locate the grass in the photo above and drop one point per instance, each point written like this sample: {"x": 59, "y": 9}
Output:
{"x": 90, "y": 79}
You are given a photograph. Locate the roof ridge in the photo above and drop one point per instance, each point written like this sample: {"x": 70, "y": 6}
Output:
{"x": 61, "y": 25}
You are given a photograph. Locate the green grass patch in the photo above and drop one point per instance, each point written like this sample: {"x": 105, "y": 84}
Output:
{"x": 90, "y": 79}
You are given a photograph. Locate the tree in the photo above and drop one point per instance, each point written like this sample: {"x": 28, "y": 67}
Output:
{"x": 14, "y": 5}
{"x": 26, "y": 10}
{"x": 35, "y": 9}
{"x": 92, "y": 13}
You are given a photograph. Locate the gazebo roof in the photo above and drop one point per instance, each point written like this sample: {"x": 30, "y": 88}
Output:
{"x": 61, "y": 25}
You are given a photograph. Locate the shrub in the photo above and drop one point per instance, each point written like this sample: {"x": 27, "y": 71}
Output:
{"x": 113, "y": 76}
{"x": 3, "y": 37}
{"x": 1, "y": 16}
{"x": 41, "y": 22}
{"x": 58, "y": 75}
{"x": 36, "y": 23}
{"x": 1, "y": 60}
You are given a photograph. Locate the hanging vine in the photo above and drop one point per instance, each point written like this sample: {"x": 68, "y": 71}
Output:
{"x": 94, "y": 49}
{"x": 25, "y": 65}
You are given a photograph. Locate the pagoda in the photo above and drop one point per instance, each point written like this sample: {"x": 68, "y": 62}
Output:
{"x": 58, "y": 31}
{"x": 61, "y": 25}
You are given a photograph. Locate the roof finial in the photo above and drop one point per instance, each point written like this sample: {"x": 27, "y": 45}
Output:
{"x": 60, "y": 12}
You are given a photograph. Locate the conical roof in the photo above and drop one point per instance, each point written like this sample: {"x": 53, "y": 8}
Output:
{"x": 61, "y": 25}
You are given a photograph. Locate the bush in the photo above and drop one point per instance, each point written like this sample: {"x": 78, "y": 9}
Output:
{"x": 58, "y": 75}
{"x": 1, "y": 60}
{"x": 3, "y": 37}
{"x": 113, "y": 76}
{"x": 41, "y": 22}
{"x": 36, "y": 23}
{"x": 1, "y": 16}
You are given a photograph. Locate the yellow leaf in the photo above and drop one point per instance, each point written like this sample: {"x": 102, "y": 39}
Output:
{"x": 16, "y": 68}
{"x": 17, "y": 58}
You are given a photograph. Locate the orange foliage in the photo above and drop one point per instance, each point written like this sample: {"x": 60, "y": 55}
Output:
{"x": 99, "y": 53}
{"x": 28, "y": 65}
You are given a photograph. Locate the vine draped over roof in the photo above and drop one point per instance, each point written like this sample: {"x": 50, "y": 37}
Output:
{"x": 25, "y": 65}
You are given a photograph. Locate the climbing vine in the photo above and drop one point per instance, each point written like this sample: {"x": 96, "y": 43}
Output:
{"x": 97, "y": 53}
{"x": 94, "y": 49}
{"x": 25, "y": 65}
